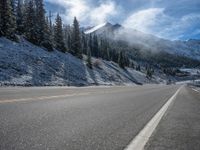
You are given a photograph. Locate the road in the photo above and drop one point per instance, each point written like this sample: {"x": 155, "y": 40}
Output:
{"x": 180, "y": 127}
{"x": 38, "y": 118}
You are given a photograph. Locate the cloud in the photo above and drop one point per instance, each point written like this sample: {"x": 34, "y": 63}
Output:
{"x": 72, "y": 8}
{"x": 181, "y": 28}
{"x": 143, "y": 20}
{"x": 103, "y": 12}
{"x": 155, "y": 21}
{"x": 86, "y": 11}
{"x": 196, "y": 32}
{"x": 166, "y": 19}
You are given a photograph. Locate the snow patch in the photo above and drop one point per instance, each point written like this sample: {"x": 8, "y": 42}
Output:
{"x": 95, "y": 28}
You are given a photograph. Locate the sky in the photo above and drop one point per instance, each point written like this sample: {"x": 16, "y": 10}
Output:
{"x": 170, "y": 19}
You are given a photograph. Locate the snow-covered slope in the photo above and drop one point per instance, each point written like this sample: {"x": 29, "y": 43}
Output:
{"x": 26, "y": 64}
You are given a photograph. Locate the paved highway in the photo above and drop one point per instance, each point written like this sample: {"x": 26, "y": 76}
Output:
{"x": 180, "y": 127}
{"x": 101, "y": 118}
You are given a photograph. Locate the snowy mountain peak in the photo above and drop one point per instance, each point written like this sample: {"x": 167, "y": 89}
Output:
{"x": 96, "y": 28}
{"x": 103, "y": 26}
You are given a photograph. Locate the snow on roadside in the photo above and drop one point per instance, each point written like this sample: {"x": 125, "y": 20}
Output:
{"x": 25, "y": 64}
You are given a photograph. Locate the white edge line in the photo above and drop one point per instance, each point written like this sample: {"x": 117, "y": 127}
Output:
{"x": 142, "y": 138}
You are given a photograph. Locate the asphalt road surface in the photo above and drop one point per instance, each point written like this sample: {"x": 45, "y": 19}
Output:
{"x": 104, "y": 118}
{"x": 180, "y": 127}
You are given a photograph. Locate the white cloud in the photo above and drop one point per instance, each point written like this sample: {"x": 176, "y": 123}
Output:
{"x": 100, "y": 14}
{"x": 143, "y": 19}
{"x": 72, "y": 8}
{"x": 86, "y": 12}
{"x": 155, "y": 21}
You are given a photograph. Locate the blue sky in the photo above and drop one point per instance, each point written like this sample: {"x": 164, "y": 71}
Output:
{"x": 170, "y": 19}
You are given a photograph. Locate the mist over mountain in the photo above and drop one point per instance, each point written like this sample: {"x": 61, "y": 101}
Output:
{"x": 148, "y": 42}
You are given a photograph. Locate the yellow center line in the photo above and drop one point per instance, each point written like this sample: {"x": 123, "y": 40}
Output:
{"x": 41, "y": 98}
{"x": 63, "y": 96}
{"x": 58, "y": 96}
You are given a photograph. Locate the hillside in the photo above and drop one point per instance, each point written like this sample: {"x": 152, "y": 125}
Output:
{"x": 189, "y": 49}
{"x": 25, "y": 64}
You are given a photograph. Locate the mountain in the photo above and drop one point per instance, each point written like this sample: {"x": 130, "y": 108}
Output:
{"x": 148, "y": 42}
{"x": 104, "y": 28}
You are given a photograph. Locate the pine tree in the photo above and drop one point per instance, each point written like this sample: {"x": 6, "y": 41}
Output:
{"x": 121, "y": 60}
{"x": 50, "y": 21}
{"x": 58, "y": 34}
{"x": 89, "y": 61}
{"x": 76, "y": 40}
{"x": 47, "y": 41}
{"x": 84, "y": 43}
{"x": 68, "y": 37}
{"x": 41, "y": 22}
{"x": 90, "y": 45}
{"x": 95, "y": 46}
{"x": 1, "y": 9}
{"x": 19, "y": 17}
{"x": 138, "y": 68}
{"x": 126, "y": 61}
{"x": 104, "y": 49}
{"x": 149, "y": 72}
{"x": 107, "y": 54}
{"x": 8, "y": 24}
{"x": 51, "y": 28}
{"x": 14, "y": 14}
{"x": 132, "y": 65}
{"x": 30, "y": 22}
{"x": 65, "y": 36}
{"x": 69, "y": 42}
{"x": 43, "y": 27}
